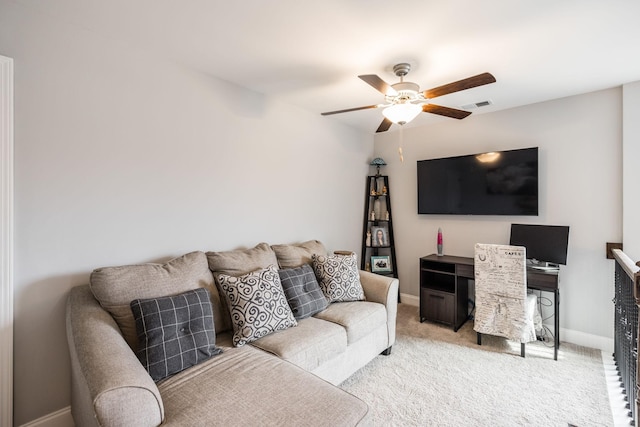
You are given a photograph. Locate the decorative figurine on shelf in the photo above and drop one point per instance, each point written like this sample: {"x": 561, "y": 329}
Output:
{"x": 367, "y": 267}
{"x": 386, "y": 216}
{"x": 368, "y": 238}
{"x": 384, "y": 190}
{"x": 373, "y": 192}
{"x": 440, "y": 253}
{"x": 373, "y": 216}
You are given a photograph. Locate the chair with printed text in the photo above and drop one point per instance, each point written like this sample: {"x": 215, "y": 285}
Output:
{"x": 503, "y": 307}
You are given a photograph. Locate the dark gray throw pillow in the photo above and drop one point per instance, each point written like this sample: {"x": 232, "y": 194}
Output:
{"x": 303, "y": 291}
{"x": 174, "y": 332}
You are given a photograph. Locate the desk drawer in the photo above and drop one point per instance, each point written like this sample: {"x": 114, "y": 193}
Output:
{"x": 437, "y": 306}
{"x": 464, "y": 271}
{"x": 541, "y": 280}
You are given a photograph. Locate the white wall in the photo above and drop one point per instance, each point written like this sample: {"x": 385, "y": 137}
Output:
{"x": 579, "y": 140}
{"x": 631, "y": 171}
{"x": 121, "y": 157}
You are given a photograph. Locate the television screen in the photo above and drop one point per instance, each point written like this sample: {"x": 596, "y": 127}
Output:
{"x": 496, "y": 183}
{"x": 544, "y": 243}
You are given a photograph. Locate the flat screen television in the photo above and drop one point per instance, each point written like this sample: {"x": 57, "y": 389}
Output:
{"x": 496, "y": 183}
{"x": 546, "y": 244}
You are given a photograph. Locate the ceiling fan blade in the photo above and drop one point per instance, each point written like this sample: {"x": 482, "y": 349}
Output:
{"x": 445, "y": 111}
{"x": 384, "y": 126}
{"x": 468, "y": 83}
{"x": 350, "y": 109}
{"x": 378, "y": 84}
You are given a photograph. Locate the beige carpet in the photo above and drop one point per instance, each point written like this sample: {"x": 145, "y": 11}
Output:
{"x": 437, "y": 377}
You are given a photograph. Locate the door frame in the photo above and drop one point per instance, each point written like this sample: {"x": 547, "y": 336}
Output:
{"x": 6, "y": 241}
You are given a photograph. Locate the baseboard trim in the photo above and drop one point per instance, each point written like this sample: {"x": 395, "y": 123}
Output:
{"x": 566, "y": 335}
{"x": 59, "y": 418}
{"x": 586, "y": 340}
{"x": 410, "y": 300}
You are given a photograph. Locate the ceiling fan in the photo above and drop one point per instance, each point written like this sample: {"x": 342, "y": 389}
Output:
{"x": 404, "y": 100}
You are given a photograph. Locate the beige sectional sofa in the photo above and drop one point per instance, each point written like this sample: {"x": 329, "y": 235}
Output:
{"x": 283, "y": 377}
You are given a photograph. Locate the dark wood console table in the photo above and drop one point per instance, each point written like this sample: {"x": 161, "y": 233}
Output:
{"x": 444, "y": 291}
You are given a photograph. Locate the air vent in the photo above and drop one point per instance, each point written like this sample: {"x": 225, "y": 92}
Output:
{"x": 477, "y": 105}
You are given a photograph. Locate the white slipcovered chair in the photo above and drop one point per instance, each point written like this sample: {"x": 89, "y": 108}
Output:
{"x": 503, "y": 307}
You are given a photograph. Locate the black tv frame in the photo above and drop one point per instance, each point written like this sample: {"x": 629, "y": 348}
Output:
{"x": 466, "y": 185}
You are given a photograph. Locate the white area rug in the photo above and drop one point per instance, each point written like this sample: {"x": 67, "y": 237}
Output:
{"x": 437, "y": 377}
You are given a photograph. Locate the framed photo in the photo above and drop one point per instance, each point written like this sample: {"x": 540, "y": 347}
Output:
{"x": 379, "y": 236}
{"x": 380, "y": 264}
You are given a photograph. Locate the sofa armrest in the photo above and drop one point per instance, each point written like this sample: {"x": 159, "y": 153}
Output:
{"x": 110, "y": 387}
{"x": 384, "y": 290}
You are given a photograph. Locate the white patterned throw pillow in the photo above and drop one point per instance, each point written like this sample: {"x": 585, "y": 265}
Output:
{"x": 339, "y": 277}
{"x": 257, "y": 304}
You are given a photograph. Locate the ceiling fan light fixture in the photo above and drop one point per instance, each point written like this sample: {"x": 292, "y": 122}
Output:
{"x": 402, "y": 113}
{"x": 404, "y": 100}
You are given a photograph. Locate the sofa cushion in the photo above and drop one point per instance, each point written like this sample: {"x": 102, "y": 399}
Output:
{"x": 290, "y": 256}
{"x": 241, "y": 261}
{"x": 302, "y": 291}
{"x": 339, "y": 277}
{"x": 257, "y": 304}
{"x": 236, "y": 263}
{"x": 116, "y": 287}
{"x": 246, "y": 386}
{"x": 309, "y": 345}
{"x": 358, "y": 318}
{"x": 175, "y": 332}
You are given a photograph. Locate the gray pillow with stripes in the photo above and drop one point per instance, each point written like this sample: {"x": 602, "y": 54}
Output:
{"x": 175, "y": 332}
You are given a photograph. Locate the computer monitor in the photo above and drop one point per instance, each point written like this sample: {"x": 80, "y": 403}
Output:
{"x": 546, "y": 244}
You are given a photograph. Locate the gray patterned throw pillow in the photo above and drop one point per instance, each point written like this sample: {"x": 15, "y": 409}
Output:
{"x": 174, "y": 332}
{"x": 303, "y": 291}
{"x": 339, "y": 277}
{"x": 257, "y": 304}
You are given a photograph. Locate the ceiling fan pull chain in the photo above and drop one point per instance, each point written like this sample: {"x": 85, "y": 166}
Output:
{"x": 400, "y": 145}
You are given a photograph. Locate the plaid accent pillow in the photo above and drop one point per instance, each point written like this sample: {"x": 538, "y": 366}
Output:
{"x": 174, "y": 332}
{"x": 339, "y": 277}
{"x": 302, "y": 291}
{"x": 257, "y": 304}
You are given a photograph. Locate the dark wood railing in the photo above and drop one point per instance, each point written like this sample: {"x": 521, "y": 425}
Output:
{"x": 626, "y": 301}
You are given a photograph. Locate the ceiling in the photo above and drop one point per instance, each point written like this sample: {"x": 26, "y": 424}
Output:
{"x": 310, "y": 53}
